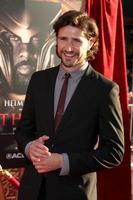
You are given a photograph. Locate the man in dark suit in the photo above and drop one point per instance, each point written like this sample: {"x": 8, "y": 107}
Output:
{"x": 62, "y": 162}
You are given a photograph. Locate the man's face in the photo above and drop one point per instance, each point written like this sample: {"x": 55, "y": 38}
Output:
{"x": 72, "y": 47}
{"x": 25, "y": 48}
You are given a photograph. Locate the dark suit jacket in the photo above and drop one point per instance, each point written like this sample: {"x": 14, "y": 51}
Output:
{"x": 91, "y": 133}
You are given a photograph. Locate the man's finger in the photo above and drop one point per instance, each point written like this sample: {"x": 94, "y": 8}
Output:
{"x": 43, "y": 138}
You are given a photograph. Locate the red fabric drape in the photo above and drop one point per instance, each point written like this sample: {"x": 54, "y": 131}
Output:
{"x": 113, "y": 184}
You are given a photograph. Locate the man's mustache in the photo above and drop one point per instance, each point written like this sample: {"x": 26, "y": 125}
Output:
{"x": 26, "y": 62}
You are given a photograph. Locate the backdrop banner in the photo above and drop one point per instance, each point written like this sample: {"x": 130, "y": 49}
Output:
{"x": 111, "y": 61}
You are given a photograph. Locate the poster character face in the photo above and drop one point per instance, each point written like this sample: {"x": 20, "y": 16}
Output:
{"x": 25, "y": 50}
{"x": 26, "y": 42}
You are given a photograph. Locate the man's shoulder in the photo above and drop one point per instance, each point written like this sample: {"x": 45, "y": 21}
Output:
{"x": 46, "y": 72}
{"x": 102, "y": 78}
{"x": 101, "y": 81}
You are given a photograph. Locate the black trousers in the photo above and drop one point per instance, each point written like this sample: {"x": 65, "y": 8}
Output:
{"x": 42, "y": 193}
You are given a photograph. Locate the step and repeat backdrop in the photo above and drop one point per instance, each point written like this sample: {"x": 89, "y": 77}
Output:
{"x": 27, "y": 44}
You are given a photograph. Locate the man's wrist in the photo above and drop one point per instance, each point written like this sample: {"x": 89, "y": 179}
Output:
{"x": 65, "y": 165}
{"x": 27, "y": 150}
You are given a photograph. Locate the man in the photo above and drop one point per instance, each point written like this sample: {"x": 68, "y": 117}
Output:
{"x": 62, "y": 160}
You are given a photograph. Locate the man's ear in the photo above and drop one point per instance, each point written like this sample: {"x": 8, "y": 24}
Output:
{"x": 91, "y": 42}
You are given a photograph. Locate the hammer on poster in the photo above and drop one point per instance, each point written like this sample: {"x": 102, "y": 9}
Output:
{"x": 9, "y": 177}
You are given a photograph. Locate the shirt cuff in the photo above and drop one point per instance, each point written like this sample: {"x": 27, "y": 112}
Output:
{"x": 27, "y": 150}
{"x": 65, "y": 167}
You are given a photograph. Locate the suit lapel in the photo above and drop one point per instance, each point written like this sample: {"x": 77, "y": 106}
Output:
{"x": 84, "y": 84}
{"x": 50, "y": 100}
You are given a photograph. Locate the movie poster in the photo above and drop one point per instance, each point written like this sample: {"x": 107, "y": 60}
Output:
{"x": 27, "y": 44}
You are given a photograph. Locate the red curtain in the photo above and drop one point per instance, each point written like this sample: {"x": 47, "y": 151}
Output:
{"x": 113, "y": 184}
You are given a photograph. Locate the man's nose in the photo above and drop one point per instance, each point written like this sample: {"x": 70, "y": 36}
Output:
{"x": 69, "y": 46}
{"x": 24, "y": 50}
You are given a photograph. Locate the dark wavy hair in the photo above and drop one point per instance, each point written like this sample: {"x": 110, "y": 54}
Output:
{"x": 83, "y": 22}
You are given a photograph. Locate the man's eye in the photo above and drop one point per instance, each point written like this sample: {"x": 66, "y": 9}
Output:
{"x": 35, "y": 39}
{"x": 77, "y": 40}
{"x": 62, "y": 38}
{"x": 12, "y": 38}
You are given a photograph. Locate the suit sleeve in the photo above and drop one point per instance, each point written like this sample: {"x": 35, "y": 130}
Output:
{"x": 110, "y": 150}
{"x": 26, "y": 129}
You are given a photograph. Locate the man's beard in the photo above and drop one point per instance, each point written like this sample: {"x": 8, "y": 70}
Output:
{"x": 20, "y": 84}
{"x": 21, "y": 76}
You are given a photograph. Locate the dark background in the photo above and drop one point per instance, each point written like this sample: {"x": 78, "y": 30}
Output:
{"x": 128, "y": 8}
{"x": 128, "y": 23}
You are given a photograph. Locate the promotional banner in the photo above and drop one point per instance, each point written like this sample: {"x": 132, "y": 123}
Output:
{"x": 26, "y": 46}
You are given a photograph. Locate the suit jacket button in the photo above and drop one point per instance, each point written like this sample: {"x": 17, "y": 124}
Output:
{"x": 52, "y": 145}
